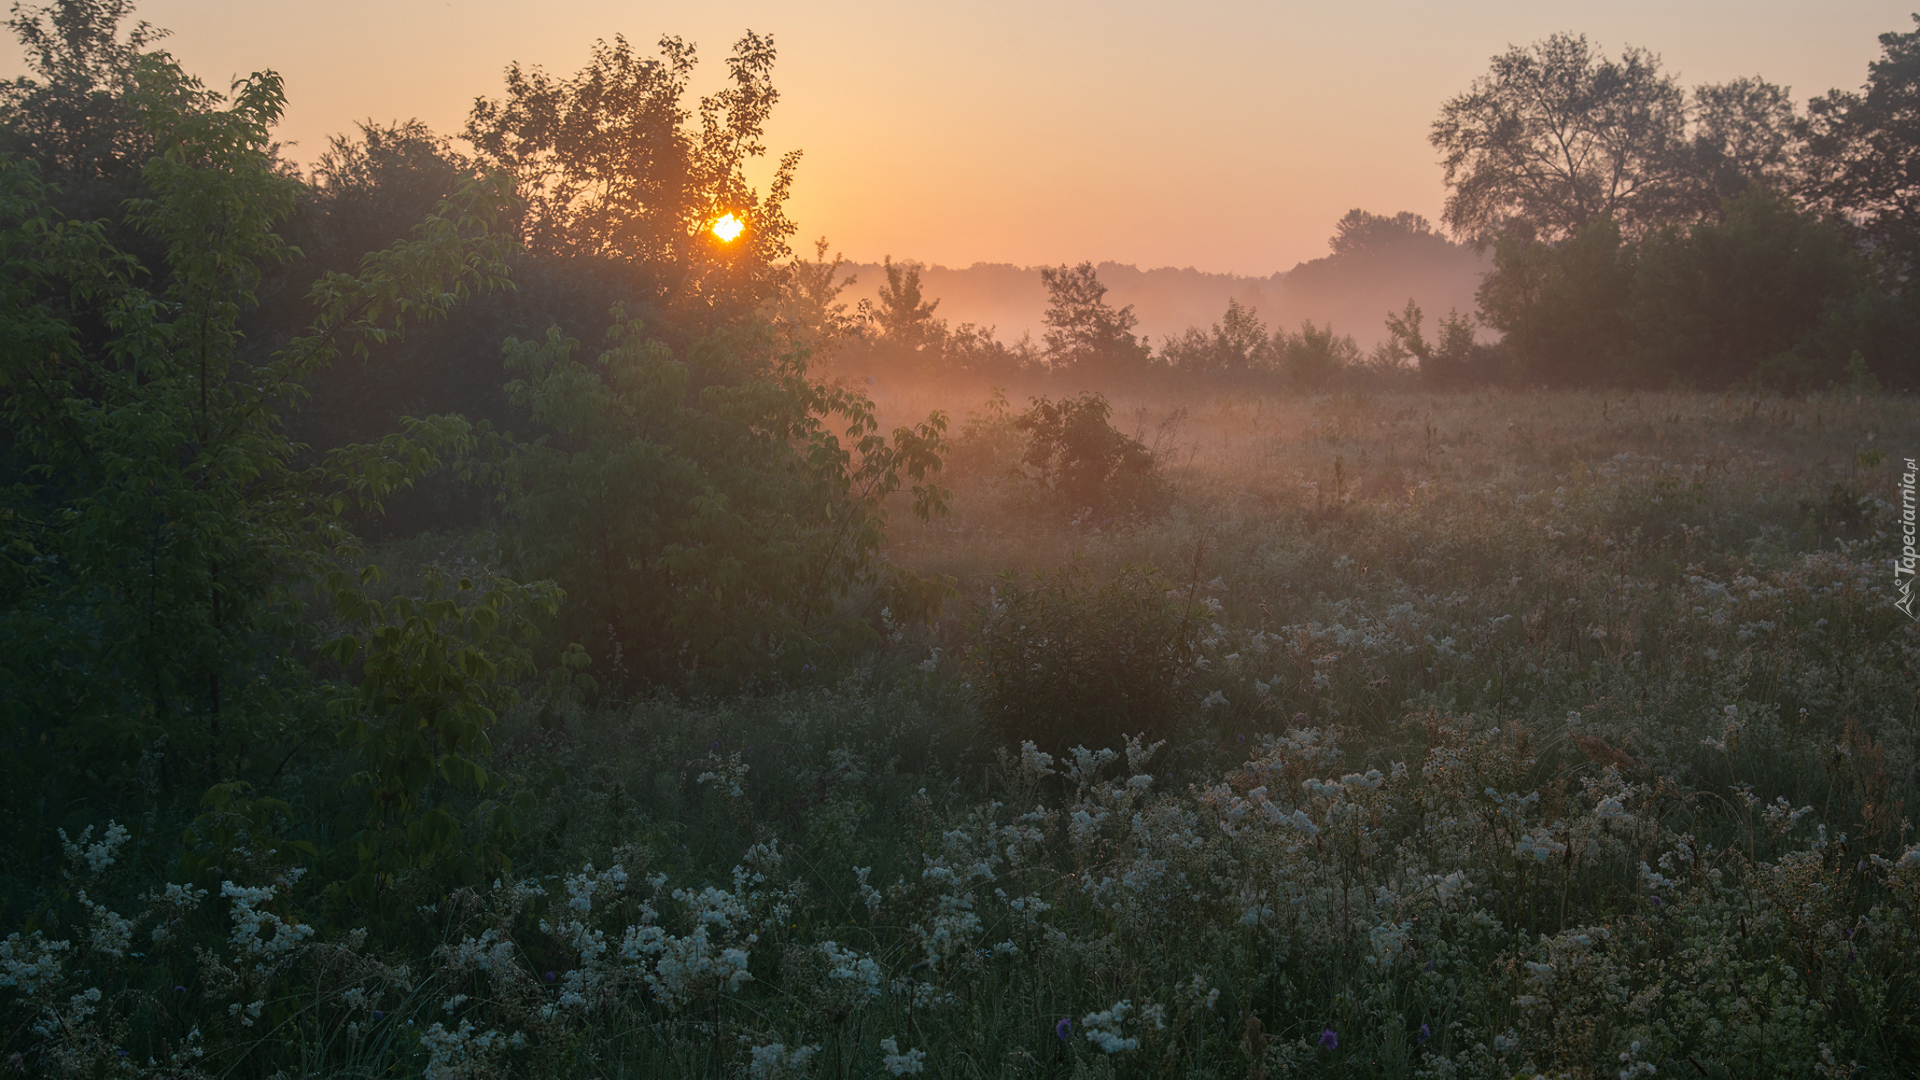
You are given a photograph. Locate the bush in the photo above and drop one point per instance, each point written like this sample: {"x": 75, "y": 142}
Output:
{"x": 1064, "y": 661}
{"x": 1314, "y": 358}
{"x": 1082, "y": 463}
{"x": 700, "y": 511}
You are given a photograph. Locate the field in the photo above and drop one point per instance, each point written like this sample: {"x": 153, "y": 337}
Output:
{"x": 1515, "y": 734}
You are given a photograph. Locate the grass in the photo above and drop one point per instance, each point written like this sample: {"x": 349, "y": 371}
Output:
{"x": 1529, "y": 734}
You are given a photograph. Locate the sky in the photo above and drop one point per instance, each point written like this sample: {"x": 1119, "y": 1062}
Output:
{"x": 1226, "y": 136}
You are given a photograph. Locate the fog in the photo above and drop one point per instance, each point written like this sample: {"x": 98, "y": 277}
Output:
{"x": 1350, "y": 291}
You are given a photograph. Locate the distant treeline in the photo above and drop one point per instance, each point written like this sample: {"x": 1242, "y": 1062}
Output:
{"x": 1087, "y": 341}
{"x": 1641, "y": 234}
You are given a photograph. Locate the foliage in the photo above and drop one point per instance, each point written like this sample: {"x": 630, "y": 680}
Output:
{"x": 76, "y": 117}
{"x": 1712, "y": 301}
{"x": 1497, "y": 842}
{"x": 1359, "y": 234}
{"x": 164, "y": 521}
{"x": 1456, "y": 359}
{"x": 1557, "y": 137}
{"x": 374, "y": 186}
{"x": 615, "y": 168}
{"x": 1576, "y": 738}
{"x": 1064, "y": 660}
{"x": 1560, "y": 305}
{"x": 1238, "y": 345}
{"x": 1763, "y": 284}
{"x": 1861, "y": 152}
{"x": 434, "y": 667}
{"x": 1314, "y": 359}
{"x": 705, "y": 519}
{"x": 903, "y": 318}
{"x": 1086, "y": 338}
{"x": 808, "y": 310}
{"x": 1081, "y": 464}
{"x": 1745, "y": 133}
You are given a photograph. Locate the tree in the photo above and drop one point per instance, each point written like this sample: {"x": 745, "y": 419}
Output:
{"x": 1082, "y": 463}
{"x": 159, "y": 525}
{"x": 904, "y": 318}
{"x": 1863, "y": 154}
{"x": 808, "y": 309}
{"x": 1314, "y": 358}
{"x": 1562, "y": 306}
{"x": 1712, "y": 301}
{"x": 700, "y": 509}
{"x": 614, "y": 168}
{"x": 1237, "y": 345}
{"x": 74, "y": 116}
{"x": 1447, "y": 362}
{"x": 373, "y": 186}
{"x": 1558, "y": 136}
{"x": 1359, "y": 234}
{"x": 1085, "y": 335}
{"x": 1744, "y": 132}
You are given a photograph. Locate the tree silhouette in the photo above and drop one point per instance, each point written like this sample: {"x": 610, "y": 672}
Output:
{"x": 1087, "y": 336}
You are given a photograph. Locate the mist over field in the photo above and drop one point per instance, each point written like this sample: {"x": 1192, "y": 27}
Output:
{"x": 514, "y": 600}
{"x": 1350, "y": 292}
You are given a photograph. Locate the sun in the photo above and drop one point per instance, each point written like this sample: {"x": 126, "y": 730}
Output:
{"x": 729, "y": 227}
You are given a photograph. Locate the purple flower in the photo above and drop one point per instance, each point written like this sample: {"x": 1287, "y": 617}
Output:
{"x": 1657, "y": 903}
{"x": 179, "y": 989}
{"x": 1060, "y": 1029}
{"x": 714, "y": 745}
{"x": 1239, "y": 738}
{"x": 1329, "y": 1040}
{"x": 377, "y": 1014}
{"x": 1425, "y": 1033}
{"x": 549, "y": 976}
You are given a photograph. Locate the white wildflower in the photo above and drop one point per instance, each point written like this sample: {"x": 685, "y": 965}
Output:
{"x": 1103, "y": 1028}
{"x": 775, "y": 1062}
{"x": 97, "y": 855}
{"x": 899, "y": 1064}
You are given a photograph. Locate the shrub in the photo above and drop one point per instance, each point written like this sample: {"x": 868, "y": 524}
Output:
{"x": 1314, "y": 358}
{"x": 1082, "y": 463}
{"x": 701, "y": 511}
{"x": 1063, "y": 661}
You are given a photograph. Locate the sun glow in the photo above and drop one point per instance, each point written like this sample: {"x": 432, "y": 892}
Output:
{"x": 728, "y": 227}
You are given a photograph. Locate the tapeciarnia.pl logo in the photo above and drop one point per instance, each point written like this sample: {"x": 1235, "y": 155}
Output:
{"x": 1903, "y": 566}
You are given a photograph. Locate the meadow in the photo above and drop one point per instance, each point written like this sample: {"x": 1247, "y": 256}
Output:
{"x": 1564, "y": 734}
{"x": 478, "y": 605}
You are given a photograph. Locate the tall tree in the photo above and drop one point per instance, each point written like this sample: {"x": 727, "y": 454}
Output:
{"x": 1863, "y": 155}
{"x": 1742, "y": 132}
{"x": 614, "y": 167}
{"x": 73, "y": 116}
{"x": 1558, "y": 135}
{"x": 161, "y": 523}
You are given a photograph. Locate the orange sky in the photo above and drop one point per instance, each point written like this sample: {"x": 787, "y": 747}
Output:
{"x": 1225, "y": 136}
